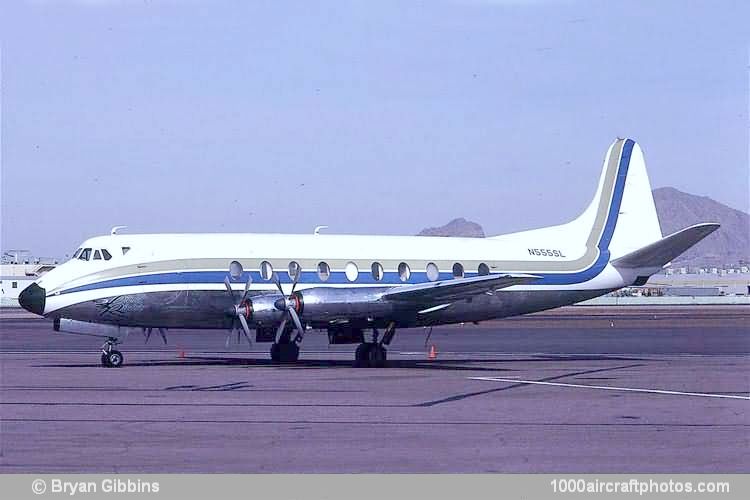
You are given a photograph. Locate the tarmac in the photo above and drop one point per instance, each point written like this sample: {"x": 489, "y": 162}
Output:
{"x": 576, "y": 390}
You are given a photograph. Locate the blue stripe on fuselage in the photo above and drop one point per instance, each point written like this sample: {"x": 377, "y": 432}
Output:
{"x": 390, "y": 278}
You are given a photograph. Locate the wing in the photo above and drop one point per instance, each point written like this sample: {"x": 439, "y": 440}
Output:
{"x": 455, "y": 289}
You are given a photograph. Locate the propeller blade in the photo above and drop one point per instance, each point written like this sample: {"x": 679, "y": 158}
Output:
{"x": 296, "y": 320}
{"x": 247, "y": 289}
{"x": 229, "y": 287}
{"x": 296, "y": 279}
{"x": 245, "y": 329}
{"x": 281, "y": 329}
{"x": 278, "y": 283}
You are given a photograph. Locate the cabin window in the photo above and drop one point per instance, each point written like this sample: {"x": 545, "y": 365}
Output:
{"x": 235, "y": 270}
{"x": 106, "y": 254}
{"x": 294, "y": 269}
{"x": 324, "y": 271}
{"x": 75, "y": 255}
{"x": 432, "y": 272}
{"x": 403, "y": 271}
{"x": 266, "y": 270}
{"x": 377, "y": 271}
{"x": 458, "y": 270}
{"x": 14, "y": 284}
{"x": 86, "y": 254}
{"x": 352, "y": 271}
{"x": 125, "y": 250}
{"x": 483, "y": 270}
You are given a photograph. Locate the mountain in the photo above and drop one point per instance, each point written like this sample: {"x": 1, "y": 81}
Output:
{"x": 729, "y": 245}
{"x": 456, "y": 227}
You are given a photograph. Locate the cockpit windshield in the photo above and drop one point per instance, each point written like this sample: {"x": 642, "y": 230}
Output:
{"x": 92, "y": 254}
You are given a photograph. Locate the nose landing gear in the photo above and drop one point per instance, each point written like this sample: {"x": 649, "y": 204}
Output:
{"x": 111, "y": 357}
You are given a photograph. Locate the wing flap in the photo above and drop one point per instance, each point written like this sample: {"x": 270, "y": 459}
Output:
{"x": 662, "y": 252}
{"x": 456, "y": 289}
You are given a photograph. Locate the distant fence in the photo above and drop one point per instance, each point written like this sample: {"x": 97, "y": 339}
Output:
{"x": 668, "y": 301}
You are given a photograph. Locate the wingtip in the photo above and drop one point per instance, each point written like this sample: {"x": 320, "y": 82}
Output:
{"x": 710, "y": 227}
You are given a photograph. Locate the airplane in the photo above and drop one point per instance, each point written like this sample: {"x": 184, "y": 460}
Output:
{"x": 360, "y": 289}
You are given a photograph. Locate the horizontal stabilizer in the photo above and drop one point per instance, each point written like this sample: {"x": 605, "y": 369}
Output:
{"x": 662, "y": 252}
{"x": 455, "y": 289}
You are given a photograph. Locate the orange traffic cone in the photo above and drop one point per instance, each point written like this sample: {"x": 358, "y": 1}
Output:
{"x": 433, "y": 353}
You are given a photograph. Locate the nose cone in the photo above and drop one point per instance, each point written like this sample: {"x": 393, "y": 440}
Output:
{"x": 32, "y": 299}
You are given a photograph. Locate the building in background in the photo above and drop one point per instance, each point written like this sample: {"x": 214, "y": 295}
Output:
{"x": 18, "y": 269}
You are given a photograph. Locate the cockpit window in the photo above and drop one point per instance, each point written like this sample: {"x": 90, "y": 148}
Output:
{"x": 106, "y": 254}
{"x": 97, "y": 255}
{"x": 86, "y": 254}
{"x": 75, "y": 255}
{"x": 125, "y": 250}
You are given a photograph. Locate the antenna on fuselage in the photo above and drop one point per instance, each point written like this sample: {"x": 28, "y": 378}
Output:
{"x": 319, "y": 228}
{"x": 114, "y": 230}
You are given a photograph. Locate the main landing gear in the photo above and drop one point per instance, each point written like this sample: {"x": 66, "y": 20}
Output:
{"x": 284, "y": 352}
{"x": 111, "y": 357}
{"x": 286, "y": 348}
{"x": 374, "y": 354}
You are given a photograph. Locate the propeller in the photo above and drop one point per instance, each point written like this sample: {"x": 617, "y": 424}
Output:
{"x": 289, "y": 303}
{"x": 241, "y": 309}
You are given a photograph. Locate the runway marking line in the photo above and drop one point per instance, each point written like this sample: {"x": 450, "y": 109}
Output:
{"x": 609, "y": 388}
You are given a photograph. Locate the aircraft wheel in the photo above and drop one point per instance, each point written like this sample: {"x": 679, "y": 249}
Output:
{"x": 289, "y": 353}
{"x": 362, "y": 355}
{"x": 115, "y": 358}
{"x": 105, "y": 360}
{"x": 285, "y": 353}
{"x": 377, "y": 356}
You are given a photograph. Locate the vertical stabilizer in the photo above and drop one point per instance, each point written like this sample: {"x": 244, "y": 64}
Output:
{"x": 622, "y": 216}
{"x": 637, "y": 222}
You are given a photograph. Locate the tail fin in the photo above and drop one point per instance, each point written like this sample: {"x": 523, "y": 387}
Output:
{"x": 620, "y": 224}
{"x": 622, "y": 216}
{"x": 637, "y": 222}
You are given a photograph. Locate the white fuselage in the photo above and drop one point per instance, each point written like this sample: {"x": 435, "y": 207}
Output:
{"x": 177, "y": 280}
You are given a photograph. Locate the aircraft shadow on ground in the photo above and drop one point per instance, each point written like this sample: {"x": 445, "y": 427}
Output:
{"x": 455, "y": 364}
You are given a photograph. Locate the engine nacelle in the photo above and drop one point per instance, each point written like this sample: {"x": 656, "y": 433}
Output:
{"x": 322, "y": 305}
{"x": 263, "y": 311}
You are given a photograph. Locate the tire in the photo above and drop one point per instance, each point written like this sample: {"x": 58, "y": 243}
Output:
{"x": 115, "y": 358}
{"x": 377, "y": 356}
{"x": 362, "y": 355}
{"x": 289, "y": 353}
{"x": 105, "y": 360}
{"x": 275, "y": 357}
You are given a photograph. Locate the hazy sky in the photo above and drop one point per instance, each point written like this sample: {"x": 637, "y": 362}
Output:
{"x": 371, "y": 117}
